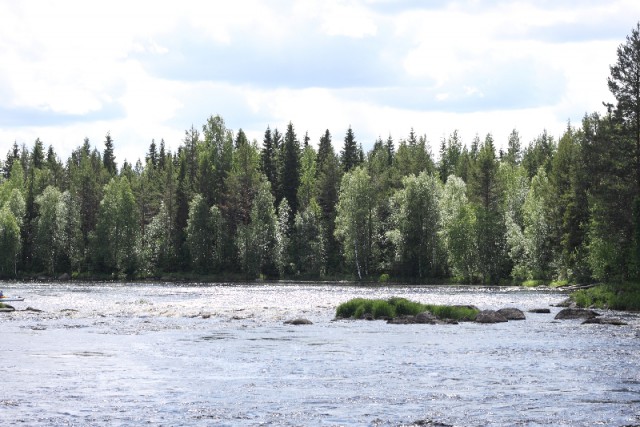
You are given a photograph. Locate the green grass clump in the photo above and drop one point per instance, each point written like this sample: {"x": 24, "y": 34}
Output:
{"x": 558, "y": 283}
{"x": 532, "y": 283}
{"x": 616, "y": 297}
{"x": 394, "y": 307}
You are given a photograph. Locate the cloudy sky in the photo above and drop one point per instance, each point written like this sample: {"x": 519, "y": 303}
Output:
{"x": 145, "y": 70}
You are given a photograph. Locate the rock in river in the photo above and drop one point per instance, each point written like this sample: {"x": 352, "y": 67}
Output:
{"x": 512, "y": 313}
{"x": 6, "y": 308}
{"x": 540, "y": 310}
{"x": 576, "y": 313}
{"x": 298, "y": 321}
{"x": 605, "y": 321}
{"x": 490, "y": 316}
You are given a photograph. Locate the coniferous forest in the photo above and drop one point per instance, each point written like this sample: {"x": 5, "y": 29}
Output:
{"x": 561, "y": 208}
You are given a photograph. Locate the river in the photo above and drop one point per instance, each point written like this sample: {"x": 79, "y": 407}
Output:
{"x": 158, "y": 354}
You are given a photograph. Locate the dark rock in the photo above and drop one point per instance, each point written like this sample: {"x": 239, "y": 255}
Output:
{"x": 604, "y": 321}
{"x": 402, "y": 320}
{"x": 35, "y": 310}
{"x": 298, "y": 321}
{"x": 6, "y": 308}
{"x": 205, "y": 315}
{"x": 576, "y": 313}
{"x": 65, "y": 277}
{"x": 367, "y": 316}
{"x": 512, "y": 313}
{"x": 428, "y": 318}
{"x": 490, "y": 316}
{"x": 567, "y": 303}
{"x": 540, "y": 310}
{"x": 429, "y": 423}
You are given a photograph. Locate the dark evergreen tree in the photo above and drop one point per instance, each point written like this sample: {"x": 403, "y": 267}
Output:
{"x": 391, "y": 151}
{"x": 485, "y": 193}
{"x": 325, "y": 149}
{"x": 450, "y": 152}
{"x": 290, "y": 169}
{"x": 269, "y": 160}
{"x": 539, "y": 154}
{"x": 108, "y": 157}
{"x": 12, "y": 156}
{"x": 152, "y": 155}
{"x": 37, "y": 154}
{"x": 349, "y": 155}
{"x": 514, "y": 153}
{"x": 241, "y": 139}
{"x": 328, "y": 182}
{"x": 162, "y": 155}
{"x": 624, "y": 84}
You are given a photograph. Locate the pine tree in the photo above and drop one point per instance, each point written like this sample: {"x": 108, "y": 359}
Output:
{"x": 624, "y": 84}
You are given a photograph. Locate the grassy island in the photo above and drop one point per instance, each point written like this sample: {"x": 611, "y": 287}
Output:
{"x": 395, "y": 307}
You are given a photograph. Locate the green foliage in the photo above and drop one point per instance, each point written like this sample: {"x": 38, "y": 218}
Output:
{"x": 458, "y": 224}
{"x": 415, "y": 220}
{"x": 384, "y": 278}
{"x": 533, "y": 283}
{"x": 49, "y": 230}
{"x": 558, "y": 283}
{"x": 616, "y": 297}
{"x": 10, "y": 243}
{"x": 394, "y": 307}
{"x": 565, "y": 211}
{"x": 355, "y": 221}
{"x": 200, "y": 232}
{"x": 116, "y": 236}
{"x": 308, "y": 242}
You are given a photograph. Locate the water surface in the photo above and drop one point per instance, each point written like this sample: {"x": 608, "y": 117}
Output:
{"x": 103, "y": 354}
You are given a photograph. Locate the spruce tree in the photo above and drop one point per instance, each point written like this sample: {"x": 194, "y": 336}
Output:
{"x": 349, "y": 156}
{"x": 108, "y": 157}
{"x": 268, "y": 160}
{"x": 290, "y": 169}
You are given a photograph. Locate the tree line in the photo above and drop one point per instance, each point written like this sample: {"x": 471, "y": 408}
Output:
{"x": 221, "y": 205}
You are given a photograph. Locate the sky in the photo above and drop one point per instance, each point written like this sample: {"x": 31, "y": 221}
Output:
{"x": 149, "y": 70}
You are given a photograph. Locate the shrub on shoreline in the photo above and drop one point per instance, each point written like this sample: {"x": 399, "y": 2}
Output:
{"x": 619, "y": 297}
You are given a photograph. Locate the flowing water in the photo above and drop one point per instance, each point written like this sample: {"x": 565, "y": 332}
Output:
{"x": 134, "y": 354}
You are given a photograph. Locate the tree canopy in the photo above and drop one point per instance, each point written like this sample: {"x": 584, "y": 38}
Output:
{"x": 559, "y": 207}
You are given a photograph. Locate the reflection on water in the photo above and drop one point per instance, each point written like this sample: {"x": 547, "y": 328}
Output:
{"x": 221, "y": 355}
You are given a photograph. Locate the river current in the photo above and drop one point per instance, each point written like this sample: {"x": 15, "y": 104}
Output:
{"x": 157, "y": 354}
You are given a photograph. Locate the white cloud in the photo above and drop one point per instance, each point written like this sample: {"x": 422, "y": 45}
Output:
{"x": 72, "y": 69}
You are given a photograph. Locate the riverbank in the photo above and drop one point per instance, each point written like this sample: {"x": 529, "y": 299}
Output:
{"x": 623, "y": 297}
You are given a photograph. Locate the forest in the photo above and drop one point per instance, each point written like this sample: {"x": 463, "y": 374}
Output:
{"x": 561, "y": 208}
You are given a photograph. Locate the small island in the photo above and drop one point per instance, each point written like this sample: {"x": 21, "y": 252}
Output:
{"x": 401, "y": 310}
